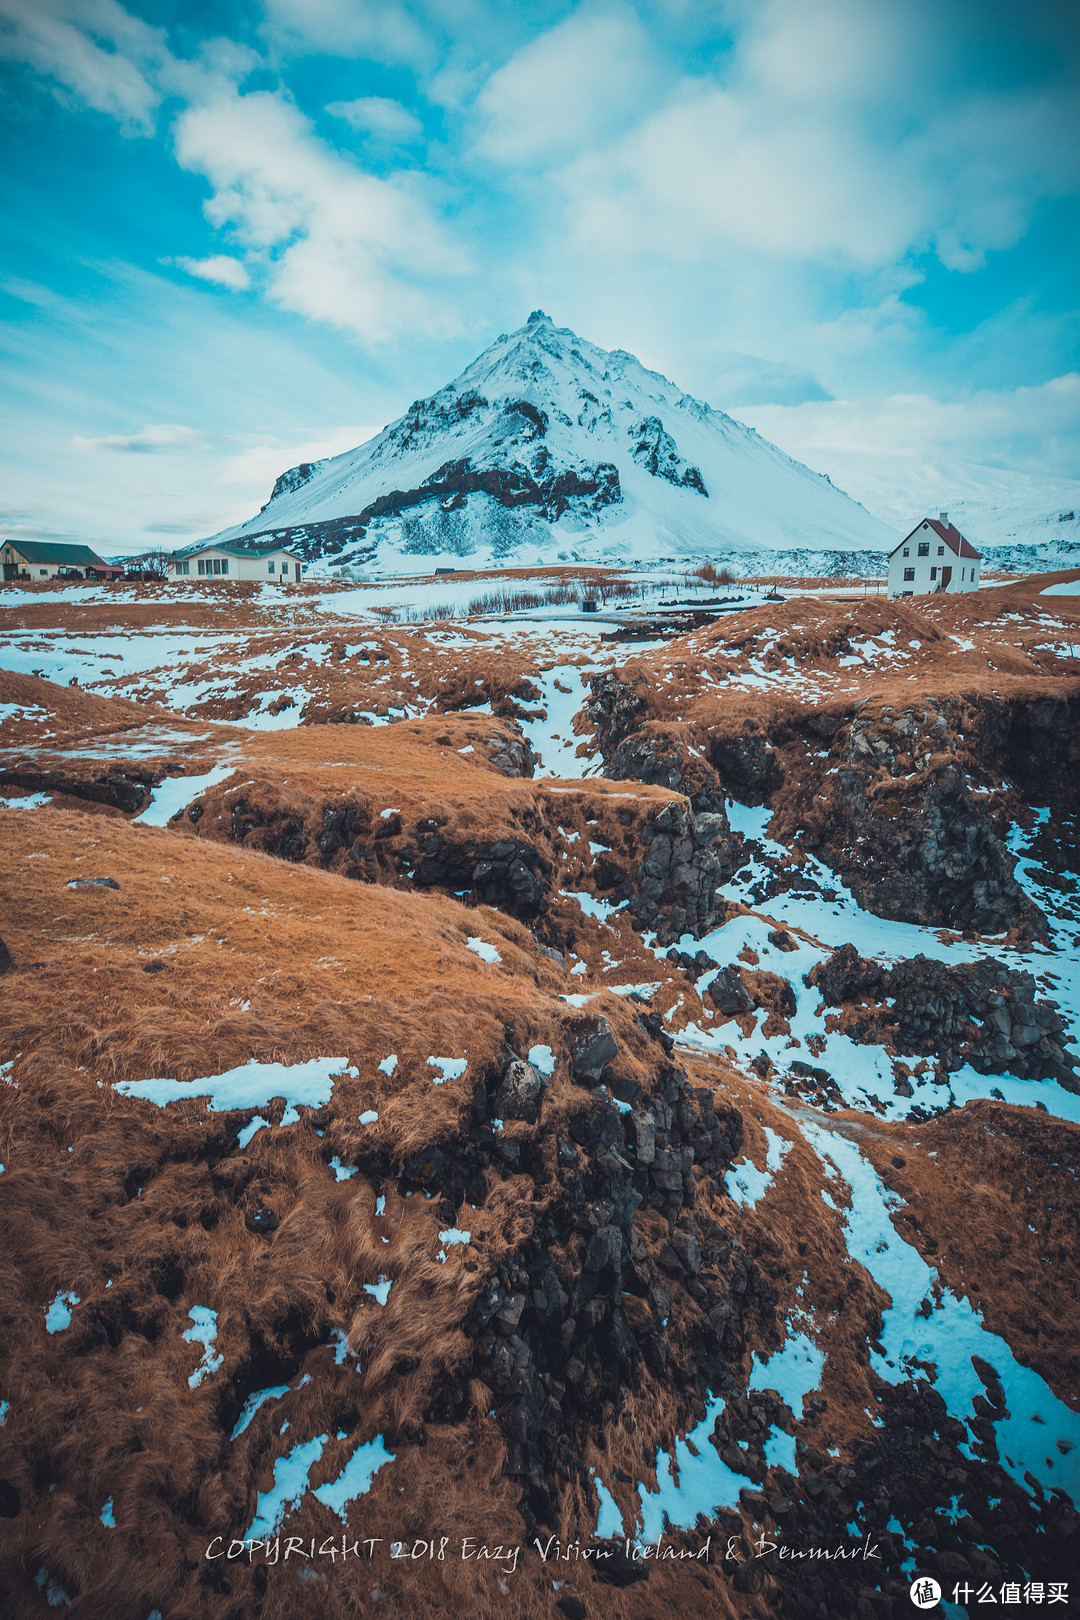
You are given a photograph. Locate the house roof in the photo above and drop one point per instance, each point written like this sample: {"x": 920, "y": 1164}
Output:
{"x": 233, "y": 548}
{"x": 944, "y": 531}
{"x": 43, "y": 551}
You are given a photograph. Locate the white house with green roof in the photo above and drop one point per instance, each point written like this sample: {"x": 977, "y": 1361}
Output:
{"x": 40, "y": 559}
{"x": 271, "y": 562}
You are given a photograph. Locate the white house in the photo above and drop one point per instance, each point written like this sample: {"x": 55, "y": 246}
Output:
{"x": 35, "y": 559}
{"x": 934, "y": 557}
{"x": 271, "y": 561}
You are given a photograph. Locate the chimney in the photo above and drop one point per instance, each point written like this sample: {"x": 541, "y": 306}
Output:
{"x": 944, "y": 517}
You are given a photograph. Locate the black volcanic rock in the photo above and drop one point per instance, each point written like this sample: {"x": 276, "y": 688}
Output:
{"x": 981, "y": 1013}
{"x": 656, "y": 451}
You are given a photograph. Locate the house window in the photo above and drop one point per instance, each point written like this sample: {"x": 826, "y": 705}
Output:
{"x": 941, "y": 551}
{"x": 909, "y": 573}
{"x": 963, "y": 575}
{"x": 44, "y": 572}
{"x": 907, "y": 551}
{"x": 924, "y": 548}
{"x": 933, "y": 573}
{"x": 202, "y": 566}
{"x": 270, "y": 568}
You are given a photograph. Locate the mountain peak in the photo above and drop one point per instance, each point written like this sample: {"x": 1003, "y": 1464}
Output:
{"x": 548, "y": 448}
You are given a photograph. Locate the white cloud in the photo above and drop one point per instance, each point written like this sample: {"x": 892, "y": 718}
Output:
{"x": 1046, "y": 416}
{"x": 219, "y": 268}
{"x": 717, "y": 169}
{"x": 379, "y": 29}
{"x": 92, "y": 48}
{"x": 256, "y": 468}
{"x": 989, "y": 162}
{"x": 575, "y": 85}
{"x": 351, "y": 248}
{"x": 160, "y": 437}
{"x": 849, "y": 133}
{"x": 379, "y": 116}
{"x": 908, "y": 452}
{"x": 738, "y": 379}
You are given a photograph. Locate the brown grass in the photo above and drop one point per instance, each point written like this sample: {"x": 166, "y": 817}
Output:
{"x": 261, "y": 958}
{"x": 153, "y": 1202}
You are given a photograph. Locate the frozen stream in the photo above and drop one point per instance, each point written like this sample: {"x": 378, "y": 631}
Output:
{"x": 1028, "y": 1436}
{"x": 864, "y": 1073}
{"x": 554, "y": 740}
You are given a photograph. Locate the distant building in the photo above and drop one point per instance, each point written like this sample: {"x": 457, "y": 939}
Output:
{"x": 934, "y": 557}
{"x": 272, "y": 562}
{"x": 38, "y": 559}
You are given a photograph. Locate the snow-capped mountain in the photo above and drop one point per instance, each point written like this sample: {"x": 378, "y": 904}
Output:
{"x": 548, "y": 448}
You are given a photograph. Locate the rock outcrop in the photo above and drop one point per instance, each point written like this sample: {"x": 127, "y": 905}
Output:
{"x": 655, "y": 450}
{"x": 692, "y": 850}
{"x": 566, "y": 1320}
{"x": 980, "y": 1013}
{"x": 616, "y": 708}
{"x": 746, "y": 763}
{"x": 912, "y": 842}
{"x": 670, "y": 880}
{"x": 660, "y": 756}
{"x": 128, "y": 790}
{"x": 509, "y": 873}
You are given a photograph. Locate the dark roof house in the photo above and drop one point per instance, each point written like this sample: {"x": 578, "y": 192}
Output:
{"x": 45, "y": 551}
{"x": 236, "y": 548}
{"x": 945, "y": 531}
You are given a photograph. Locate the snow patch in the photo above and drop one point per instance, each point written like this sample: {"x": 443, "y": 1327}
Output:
{"x": 58, "y": 1315}
{"x": 203, "y": 1330}
{"x": 251, "y": 1085}
{"x": 355, "y": 1478}
{"x": 175, "y": 792}
{"x": 290, "y": 1482}
{"x": 449, "y": 1068}
{"x": 258, "y": 1398}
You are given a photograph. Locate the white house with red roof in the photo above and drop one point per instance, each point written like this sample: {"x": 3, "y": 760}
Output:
{"x": 934, "y": 557}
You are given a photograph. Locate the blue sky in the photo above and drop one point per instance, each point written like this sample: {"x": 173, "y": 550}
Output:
{"x": 241, "y": 234}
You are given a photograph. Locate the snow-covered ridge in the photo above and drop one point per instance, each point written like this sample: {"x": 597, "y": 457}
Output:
{"x": 548, "y": 448}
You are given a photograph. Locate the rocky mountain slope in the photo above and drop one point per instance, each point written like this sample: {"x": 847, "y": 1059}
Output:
{"x": 613, "y": 1105}
{"x": 548, "y": 447}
